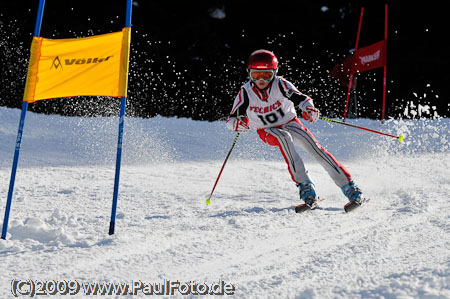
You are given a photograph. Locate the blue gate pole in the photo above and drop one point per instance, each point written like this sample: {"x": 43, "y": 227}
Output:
{"x": 14, "y": 169}
{"x": 123, "y": 102}
{"x": 37, "y": 32}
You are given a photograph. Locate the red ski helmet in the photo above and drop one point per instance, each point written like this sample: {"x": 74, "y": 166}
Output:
{"x": 262, "y": 60}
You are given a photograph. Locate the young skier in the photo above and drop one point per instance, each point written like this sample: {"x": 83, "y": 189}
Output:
{"x": 267, "y": 103}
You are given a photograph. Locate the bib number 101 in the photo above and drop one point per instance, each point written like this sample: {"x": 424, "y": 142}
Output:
{"x": 271, "y": 118}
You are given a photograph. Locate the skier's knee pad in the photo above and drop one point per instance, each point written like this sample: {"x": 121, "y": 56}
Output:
{"x": 267, "y": 137}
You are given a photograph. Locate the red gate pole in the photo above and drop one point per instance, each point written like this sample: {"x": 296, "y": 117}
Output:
{"x": 384, "y": 75}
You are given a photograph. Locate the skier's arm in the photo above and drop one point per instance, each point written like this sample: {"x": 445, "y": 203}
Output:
{"x": 240, "y": 105}
{"x": 237, "y": 121}
{"x": 310, "y": 113}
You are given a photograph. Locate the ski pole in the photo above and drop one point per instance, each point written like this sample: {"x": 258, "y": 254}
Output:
{"x": 400, "y": 138}
{"x": 208, "y": 201}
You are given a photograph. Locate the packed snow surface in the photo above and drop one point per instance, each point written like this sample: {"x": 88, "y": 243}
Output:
{"x": 397, "y": 246}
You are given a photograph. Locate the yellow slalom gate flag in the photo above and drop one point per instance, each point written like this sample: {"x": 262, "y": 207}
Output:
{"x": 89, "y": 66}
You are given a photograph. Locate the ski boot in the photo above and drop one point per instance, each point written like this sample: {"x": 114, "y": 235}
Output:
{"x": 308, "y": 195}
{"x": 354, "y": 195}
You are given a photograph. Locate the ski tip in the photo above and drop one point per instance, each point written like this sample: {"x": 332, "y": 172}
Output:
{"x": 304, "y": 207}
{"x": 400, "y": 138}
{"x": 350, "y": 206}
{"x": 208, "y": 201}
{"x": 301, "y": 208}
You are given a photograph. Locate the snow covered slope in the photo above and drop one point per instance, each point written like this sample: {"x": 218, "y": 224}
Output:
{"x": 398, "y": 246}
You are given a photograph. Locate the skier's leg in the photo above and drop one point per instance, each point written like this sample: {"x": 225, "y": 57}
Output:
{"x": 283, "y": 140}
{"x": 304, "y": 138}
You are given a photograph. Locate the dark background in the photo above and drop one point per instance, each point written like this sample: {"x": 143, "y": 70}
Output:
{"x": 187, "y": 63}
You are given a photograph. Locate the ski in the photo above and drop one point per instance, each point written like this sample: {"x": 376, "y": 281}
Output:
{"x": 304, "y": 207}
{"x": 351, "y": 205}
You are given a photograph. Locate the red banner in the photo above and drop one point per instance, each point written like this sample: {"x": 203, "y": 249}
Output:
{"x": 364, "y": 59}
{"x": 369, "y": 58}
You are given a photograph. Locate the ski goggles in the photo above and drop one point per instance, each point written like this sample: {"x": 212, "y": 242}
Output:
{"x": 265, "y": 75}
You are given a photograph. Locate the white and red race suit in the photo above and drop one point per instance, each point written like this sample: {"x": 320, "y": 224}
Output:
{"x": 272, "y": 112}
